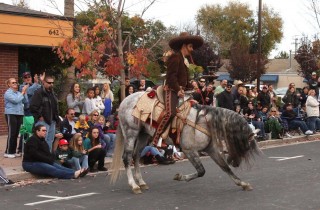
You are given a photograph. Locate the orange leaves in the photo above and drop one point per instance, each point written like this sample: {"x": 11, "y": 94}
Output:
{"x": 138, "y": 61}
{"x": 113, "y": 66}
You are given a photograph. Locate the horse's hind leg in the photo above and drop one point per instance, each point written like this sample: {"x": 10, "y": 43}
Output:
{"x": 140, "y": 144}
{"x": 194, "y": 158}
{"x": 216, "y": 156}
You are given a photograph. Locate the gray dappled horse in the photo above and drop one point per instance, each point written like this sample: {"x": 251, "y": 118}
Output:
{"x": 221, "y": 123}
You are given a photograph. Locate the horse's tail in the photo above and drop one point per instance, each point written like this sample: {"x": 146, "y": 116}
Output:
{"x": 117, "y": 155}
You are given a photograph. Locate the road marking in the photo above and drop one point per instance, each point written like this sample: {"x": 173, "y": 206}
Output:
{"x": 286, "y": 158}
{"x": 56, "y": 198}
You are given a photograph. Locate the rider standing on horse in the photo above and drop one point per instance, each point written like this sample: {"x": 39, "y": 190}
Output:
{"x": 177, "y": 77}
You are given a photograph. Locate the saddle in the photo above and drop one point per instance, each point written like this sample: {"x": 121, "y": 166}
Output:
{"x": 150, "y": 109}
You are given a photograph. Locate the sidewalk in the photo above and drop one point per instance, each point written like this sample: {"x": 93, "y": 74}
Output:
{"x": 14, "y": 170}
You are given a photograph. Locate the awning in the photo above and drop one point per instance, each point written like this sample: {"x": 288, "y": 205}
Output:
{"x": 269, "y": 78}
{"x": 224, "y": 77}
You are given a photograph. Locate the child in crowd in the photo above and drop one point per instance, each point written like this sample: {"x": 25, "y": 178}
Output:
{"x": 78, "y": 151}
{"x": 109, "y": 138}
{"x": 63, "y": 154}
{"x": 82, "y": 126}
{"x": 89, "y": 102}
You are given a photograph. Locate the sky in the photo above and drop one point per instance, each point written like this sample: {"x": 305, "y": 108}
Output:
{"x": 298, "y": 21}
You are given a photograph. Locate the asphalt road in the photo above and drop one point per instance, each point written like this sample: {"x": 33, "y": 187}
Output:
{"x": 283, "y": 178}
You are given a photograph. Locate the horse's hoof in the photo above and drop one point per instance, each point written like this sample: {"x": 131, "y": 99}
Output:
{"x": 144, "y": 187}
{"x": 247, "y": 187}
{"x": 137, "y": 191}
{"x": 177, "y": 177}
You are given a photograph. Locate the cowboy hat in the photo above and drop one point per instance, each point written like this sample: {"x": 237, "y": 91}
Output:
{"x": 185, "y": 38}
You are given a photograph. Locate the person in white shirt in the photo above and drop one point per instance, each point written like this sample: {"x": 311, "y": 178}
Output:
{"x": 98, "y": 100}
{"x": 89, "y": 102}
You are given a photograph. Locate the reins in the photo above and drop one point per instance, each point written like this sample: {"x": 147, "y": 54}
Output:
{"x": 194, "y": 125}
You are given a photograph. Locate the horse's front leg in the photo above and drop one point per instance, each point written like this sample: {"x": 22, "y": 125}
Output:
{"x": 194, "y": 158}
{"x": 218, "y": 158}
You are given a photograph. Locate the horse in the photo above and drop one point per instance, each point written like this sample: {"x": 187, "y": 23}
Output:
{"x": 222, "y": 124}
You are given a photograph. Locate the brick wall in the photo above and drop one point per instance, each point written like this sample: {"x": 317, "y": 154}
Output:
{"x": 8, "y": 68}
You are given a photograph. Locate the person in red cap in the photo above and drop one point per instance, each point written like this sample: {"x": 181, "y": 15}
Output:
{"x": 177, "y": 77}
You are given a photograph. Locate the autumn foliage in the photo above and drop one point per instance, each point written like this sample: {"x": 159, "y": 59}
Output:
{"x": 94, "y": 50}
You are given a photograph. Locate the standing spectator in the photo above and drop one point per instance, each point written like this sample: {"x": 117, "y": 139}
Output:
{"x": 130, "y": 90}
{"x": 142, "y": 85}
{"x": 14, "y": 112}
{"x": 292, "y": 97}
{"x": 304, "y": 96}
{"x": 98, "y": 100}
{"x": 89, "y": 104}
{"x": 272, "y": 95}
{"x": 74, "y": 99}
{"x": 264, "y": 97}
{"x": 38, "y": 160}
{"x": 197, "y": 92}
{"x": 225, "y": 99}
{"x": 44, "y": 108}
{"x": 126, "y": 84}
{"x": 202, "y": 87}
{"x": 95, "y": 153}
{"x": 209, "y": 94}
{"x": 312, "y": 108}
{"x": 242, "y": 100}
{"x": 234, "y": 90}
{"x": 314, "y": 83}
{"x": 67, "y": 127}
{"x": 27, "y": 80}
{"x": 107, "y": 98}
{"x": 221, "y": 87}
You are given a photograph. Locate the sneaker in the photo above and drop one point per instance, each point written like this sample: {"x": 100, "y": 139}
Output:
{"x": 9, "y": 155}
{"x": 18, "y": 154}
{"x": 287, "y": 135}
{"x": 308, "y": 132}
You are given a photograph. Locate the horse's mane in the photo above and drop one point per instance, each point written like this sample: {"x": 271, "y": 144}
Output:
{"x": 229, "y": 126}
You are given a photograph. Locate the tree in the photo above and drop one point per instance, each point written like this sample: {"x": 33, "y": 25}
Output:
{"x": 308, "y": 57}
{"x": 235, "y": 27}
{"x": 282, "y": 55}
{"x": 243, "y": 64}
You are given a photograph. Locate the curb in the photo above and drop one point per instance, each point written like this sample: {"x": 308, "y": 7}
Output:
{"x": 17, "y": 174}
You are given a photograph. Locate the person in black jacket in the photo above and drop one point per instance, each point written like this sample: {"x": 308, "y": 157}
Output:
{"x": 44, "y": 108}
{"x": 225, "y": 98}
{"x": 67, "y": 125}
{"x": 38, "y": 160}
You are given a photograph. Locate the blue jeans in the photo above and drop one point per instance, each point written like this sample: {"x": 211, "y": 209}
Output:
{"x": 298, "y": 124}
{"x": 44, "y": 169}
{"x": 154, "y": 151}
{"x": 110, "y": 144}
{"x": 313, "y": 123}
{"x": 78, "y": 163}
{"x": 51, "y": 130}
{"x": 259, "y": 125}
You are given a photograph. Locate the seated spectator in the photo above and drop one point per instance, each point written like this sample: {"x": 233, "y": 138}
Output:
{"x": 108, "y": 138}
{"x": 291, "y": 116}
{"x": 273, "y": 124}
{"x": 64, "y": 156}
{"x": 81, "y": 126}
{"x": 149, "y": 153}
{"x": 67, "y": 125}
{"x": 252, "y": 116}
{"x": 264, "y": 113}
{"x": 304, "y": 96}
{"x": 264, "y": 97}
{"x": 79, "y": 152}
{"x": 107, "y": 98}
{"x": 225, "y": 99}
{"x": 95, "y": 152}
{"x": 38, "y": 160}
{"x": 93, "y": 118}
{"x": 312, "y": 108}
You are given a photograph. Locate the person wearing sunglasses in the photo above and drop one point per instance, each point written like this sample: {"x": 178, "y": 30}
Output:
{"x": 44, "y": 108}
{"x": 67, "y": 126}
{"x": 13, "y": 100}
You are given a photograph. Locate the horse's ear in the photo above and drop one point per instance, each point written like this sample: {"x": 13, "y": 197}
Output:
{"x": 256, "y": 131}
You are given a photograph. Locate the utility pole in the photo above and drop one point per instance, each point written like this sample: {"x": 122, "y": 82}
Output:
{"x": 259, "y": 45}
